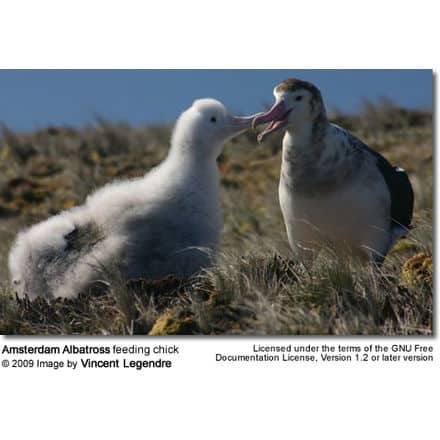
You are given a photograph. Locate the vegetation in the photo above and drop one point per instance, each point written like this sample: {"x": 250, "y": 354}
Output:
{"x": 256, "y": 287}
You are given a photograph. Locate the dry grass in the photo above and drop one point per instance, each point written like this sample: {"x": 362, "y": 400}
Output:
{"x": 256, "y": 287}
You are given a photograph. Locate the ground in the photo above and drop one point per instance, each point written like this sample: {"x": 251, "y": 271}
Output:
{"x": 256, "y": 287}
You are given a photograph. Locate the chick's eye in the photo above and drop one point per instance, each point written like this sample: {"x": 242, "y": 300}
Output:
{"x": 213, "y": 119}
{"x": 298, "y": 98}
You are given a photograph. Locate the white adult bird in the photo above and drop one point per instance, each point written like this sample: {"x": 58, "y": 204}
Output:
{"x": 334, "y": 190}
{"x": 167, "y": 222}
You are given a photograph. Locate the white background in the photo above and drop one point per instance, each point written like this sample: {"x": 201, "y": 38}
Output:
{"x": 198, "y": 398}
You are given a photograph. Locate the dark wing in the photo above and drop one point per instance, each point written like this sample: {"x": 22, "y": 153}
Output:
{"x": 397, "y": 181}
{"x": 399, "y": 186}
{"x": 402, "y": 197}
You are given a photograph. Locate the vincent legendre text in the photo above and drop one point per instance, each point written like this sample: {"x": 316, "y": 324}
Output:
{"x": 72, "y": 356}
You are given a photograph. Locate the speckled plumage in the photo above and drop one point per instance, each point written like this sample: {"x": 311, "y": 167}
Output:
{"x": 334, "y": 190}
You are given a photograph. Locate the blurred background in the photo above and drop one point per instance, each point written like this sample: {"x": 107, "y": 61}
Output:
{"x": 32, "y": 99}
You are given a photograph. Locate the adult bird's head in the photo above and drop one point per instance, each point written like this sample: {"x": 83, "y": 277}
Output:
{"x": 297, "y": 103}
{"x": 203, "y": 129}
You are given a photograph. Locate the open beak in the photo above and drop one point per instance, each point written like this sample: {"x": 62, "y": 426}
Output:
{"x": 277, "y": 116}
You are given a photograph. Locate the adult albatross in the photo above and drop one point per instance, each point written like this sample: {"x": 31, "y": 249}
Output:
{"x": 167, "y": 222}
{"x": 334, "y": 190}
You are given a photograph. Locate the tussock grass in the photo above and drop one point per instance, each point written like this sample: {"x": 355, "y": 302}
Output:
{"x": 261, "y": 293}
{"x": 255, "y": 287}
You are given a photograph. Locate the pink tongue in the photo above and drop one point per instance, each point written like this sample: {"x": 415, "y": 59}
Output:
{"x": 273, "y": 126}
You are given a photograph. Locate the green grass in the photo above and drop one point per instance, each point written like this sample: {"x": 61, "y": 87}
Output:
{"x": 255, "y": 287}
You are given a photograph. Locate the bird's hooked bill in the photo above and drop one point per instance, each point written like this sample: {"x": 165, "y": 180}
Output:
{"x": 277, "y": 116}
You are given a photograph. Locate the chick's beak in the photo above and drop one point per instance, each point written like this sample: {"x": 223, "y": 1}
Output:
{"x": 241, "y": 123}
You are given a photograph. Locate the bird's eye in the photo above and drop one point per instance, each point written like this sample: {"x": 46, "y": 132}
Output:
{"x": 213, "y": 119}
{"x": 298, "y": 98}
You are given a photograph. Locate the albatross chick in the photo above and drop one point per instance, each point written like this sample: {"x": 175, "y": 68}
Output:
{"x": 167, "y": 222}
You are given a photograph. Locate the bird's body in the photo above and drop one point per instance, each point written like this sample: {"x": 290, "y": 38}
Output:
{"x": 167, "y": 222}
{"x": 335, "y": 196}
{"x": 334, "y": 190}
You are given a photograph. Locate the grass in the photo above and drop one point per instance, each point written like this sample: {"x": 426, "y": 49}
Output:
{"x": 255, "y": 287}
